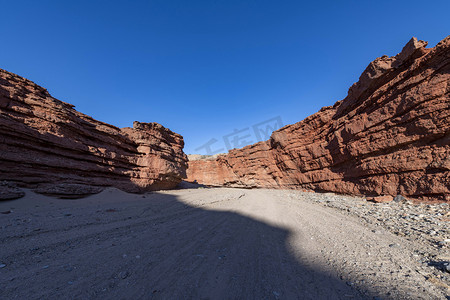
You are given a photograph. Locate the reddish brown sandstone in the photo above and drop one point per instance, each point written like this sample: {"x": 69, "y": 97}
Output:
{"x": 389, "y": 136}
{"x": 44, "y": 142}
{"x": 380, "y": 199}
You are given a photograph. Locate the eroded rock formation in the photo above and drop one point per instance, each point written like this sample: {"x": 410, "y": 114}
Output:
{"x": 389, "y": 136}
{"x": 46, "y": 143}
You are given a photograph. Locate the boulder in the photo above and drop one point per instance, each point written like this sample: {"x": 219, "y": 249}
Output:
{"x": 380, "y": 199}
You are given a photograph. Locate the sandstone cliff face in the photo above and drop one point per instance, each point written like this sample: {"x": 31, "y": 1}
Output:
{"x": 389, "y": 136}
{"x": 44, "y": 142}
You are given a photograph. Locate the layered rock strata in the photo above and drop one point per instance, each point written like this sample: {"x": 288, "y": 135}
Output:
{"x": 45, "y": 142}
{"x": 389, "y": 136}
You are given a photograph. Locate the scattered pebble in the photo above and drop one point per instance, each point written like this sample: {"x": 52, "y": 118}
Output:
{"x": 124, "y": 275}
{"x": 68, "y": 268}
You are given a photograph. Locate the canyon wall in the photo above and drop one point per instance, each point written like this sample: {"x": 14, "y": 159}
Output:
{"x": 389, "y": 136}
{"x": 45, "y": 142}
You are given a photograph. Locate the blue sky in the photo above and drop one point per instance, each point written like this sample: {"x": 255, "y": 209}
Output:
{"x": 207, "y": 68}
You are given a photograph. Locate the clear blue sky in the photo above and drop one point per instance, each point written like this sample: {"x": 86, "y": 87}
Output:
{"x": 205, "y": 68}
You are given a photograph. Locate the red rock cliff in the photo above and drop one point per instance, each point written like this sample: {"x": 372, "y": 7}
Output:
{"x": 46, "y": 141}
{"x": 389, "y": 136}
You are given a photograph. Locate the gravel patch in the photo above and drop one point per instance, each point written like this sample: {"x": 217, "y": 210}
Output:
{"x": 425, "y": 226}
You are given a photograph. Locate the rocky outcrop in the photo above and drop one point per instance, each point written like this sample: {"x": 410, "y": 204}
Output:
{"x": 45, "y": 142}
{"x": 9, "y": 191}
{"x": 389, "y": 136}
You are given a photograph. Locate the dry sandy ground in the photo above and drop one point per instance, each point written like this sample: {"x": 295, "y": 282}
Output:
{"x": 199, "y": 244}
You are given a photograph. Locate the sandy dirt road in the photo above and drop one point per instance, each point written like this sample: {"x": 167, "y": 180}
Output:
{"x": 198, "y": 244}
